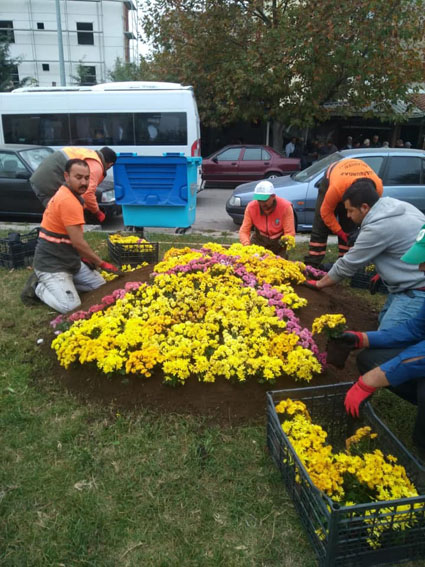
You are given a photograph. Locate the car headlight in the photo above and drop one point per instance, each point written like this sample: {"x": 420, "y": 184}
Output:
{"x": 235, "y": 201}
{"x": 107, "y": 196}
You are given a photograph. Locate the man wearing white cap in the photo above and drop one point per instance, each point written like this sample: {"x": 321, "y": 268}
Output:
{"x": 270, "y": 216}
{"x": 393, "y": 358}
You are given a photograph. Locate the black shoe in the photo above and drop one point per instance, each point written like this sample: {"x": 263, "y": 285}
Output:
{"x": 28, "y": 296}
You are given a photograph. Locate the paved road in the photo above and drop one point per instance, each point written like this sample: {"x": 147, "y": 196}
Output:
{"x": 210, "y": 214}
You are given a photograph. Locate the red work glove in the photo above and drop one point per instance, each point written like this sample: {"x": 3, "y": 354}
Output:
{"x": 356, "y": 395}
{"x": 108, "y": 267}
{"x": 100, "y": 215}
{"x": 312, "y": 284}
{"x": 352, "y": 339}
{"x": 343, "y": 236}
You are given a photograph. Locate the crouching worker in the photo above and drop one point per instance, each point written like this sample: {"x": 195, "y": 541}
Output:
{"x": 394, "y": 358}
{"x": 271, "y": 217}
{"x": 58, "y": 269}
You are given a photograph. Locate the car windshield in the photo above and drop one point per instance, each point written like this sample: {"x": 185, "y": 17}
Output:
{"x": 35, "y": 156}
{"x": 316, "y": 167}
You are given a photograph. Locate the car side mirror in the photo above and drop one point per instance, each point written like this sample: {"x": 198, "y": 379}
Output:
{"x": 215, "y": 160}
{"x": 23, "y": 175}
{"x": 317, "y": 184}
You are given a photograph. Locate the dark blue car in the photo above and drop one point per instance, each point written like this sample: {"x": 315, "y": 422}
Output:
{"x": 401, "y": 170}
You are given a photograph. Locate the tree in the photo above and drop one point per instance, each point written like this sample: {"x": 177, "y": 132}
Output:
{"x": 9, "y": 78}
{"x": 292, "y": 61}
{"x": 124, "y": 71}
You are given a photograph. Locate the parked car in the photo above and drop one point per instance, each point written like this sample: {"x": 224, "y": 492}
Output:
{"x": 246, "y": 162}
{"x": 17, "y": 164}
{"x": 401, "y": 170}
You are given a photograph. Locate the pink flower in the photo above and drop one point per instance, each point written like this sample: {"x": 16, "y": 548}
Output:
{"x": 77, "y": 316}
{"x": 57, "y": 321}
{"x": 95, "y": 308}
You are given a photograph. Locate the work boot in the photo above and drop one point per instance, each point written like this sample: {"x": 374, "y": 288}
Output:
{"x": 28, "y": 296}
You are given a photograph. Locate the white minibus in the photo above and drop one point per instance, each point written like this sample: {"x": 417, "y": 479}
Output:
{"x": 148, "y": 118}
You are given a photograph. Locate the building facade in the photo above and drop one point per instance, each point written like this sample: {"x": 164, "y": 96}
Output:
{"x": 94, "y": 34}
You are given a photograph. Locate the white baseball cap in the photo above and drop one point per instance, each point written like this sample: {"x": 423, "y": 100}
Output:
{"x": 263, "y": 190}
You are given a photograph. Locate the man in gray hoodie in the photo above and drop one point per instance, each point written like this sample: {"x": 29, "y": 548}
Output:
{"x": 388, "y": 228}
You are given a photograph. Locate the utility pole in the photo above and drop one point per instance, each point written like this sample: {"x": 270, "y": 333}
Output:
{"x": 60, "y": 44}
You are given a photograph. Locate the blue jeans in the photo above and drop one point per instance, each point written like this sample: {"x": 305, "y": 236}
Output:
{"x": 400, "y": 307}
{"x": 413, "y": 390}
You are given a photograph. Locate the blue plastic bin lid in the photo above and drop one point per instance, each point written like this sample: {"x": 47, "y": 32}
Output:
{"x": 155, "y": 180}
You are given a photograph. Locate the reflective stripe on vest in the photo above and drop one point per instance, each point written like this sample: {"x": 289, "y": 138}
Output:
{"x": 54, "y": 239}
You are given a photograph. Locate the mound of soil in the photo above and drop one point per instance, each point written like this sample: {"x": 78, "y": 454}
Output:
{"x": 222, "y": 401}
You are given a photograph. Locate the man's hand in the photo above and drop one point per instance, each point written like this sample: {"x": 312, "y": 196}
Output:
{"x": 343, "y": 236}
{"x": 312, "y": 284}
{"x": 352, "y": 339}
{"x": 374, "y": 283}
{"x": 356, "y": 395}
{"x": 108, "y": 267}
{"x": 100, "y": 215}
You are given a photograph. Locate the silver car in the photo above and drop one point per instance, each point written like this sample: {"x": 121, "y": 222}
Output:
{"x": 401, "y": 170}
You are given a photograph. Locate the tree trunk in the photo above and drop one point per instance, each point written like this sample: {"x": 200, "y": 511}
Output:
{"x": 277, "y": 130}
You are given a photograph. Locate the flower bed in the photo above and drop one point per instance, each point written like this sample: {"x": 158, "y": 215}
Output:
{"x": 354, "y": 485}
{"x": 207, "y": 313}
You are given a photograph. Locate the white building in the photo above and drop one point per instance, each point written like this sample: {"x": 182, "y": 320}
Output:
{"x": 94, "y": 34}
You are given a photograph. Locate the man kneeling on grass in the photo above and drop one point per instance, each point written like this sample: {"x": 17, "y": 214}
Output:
{"x": 58, "y": 269}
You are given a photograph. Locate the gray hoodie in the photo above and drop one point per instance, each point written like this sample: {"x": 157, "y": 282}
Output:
{"x": 388, "y": 230}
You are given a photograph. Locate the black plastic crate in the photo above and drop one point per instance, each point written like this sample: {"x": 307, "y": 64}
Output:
{"x": 361, "y": 279}
{"x": 134, "y": 253}
{"x": 339, "y": 534}
{"x": 17, "y": 250}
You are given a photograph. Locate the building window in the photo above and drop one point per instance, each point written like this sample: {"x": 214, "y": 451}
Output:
{"x": 88, "y": 75}
{"x": 85, "y": 33}
{"x": 45, "y": 66}
{"x": 40, "y": 25}
{"x": 6, "y": 31}
{"x": 14, "y": 76}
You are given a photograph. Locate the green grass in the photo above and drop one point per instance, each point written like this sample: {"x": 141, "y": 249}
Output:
{"x": 87, "y": 485}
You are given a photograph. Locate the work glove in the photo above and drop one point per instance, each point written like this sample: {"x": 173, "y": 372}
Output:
{"x": 88, "y": 263}
{"x": 374, "y": 284}
{"x": 312, "y": 284}
{"x": 109, "y": 267}
{"x": 100, "y": 215}
{"x": 343, "y": 236}
{"x": 356, "y": 395}
{"x": 351, "y": 339}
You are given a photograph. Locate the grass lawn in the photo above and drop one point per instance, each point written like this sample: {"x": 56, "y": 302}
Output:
{"x": 89, "y": 485}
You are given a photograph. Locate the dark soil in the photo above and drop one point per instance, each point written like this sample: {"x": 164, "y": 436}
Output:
{"x": 221, "y": 401}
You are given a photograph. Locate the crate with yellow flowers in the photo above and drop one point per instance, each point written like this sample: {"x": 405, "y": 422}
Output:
{"x": 131, "y": 249}
{"x": 359, "y": 493}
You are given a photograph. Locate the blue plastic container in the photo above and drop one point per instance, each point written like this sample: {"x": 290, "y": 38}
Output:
{"x": 157, "y": 191}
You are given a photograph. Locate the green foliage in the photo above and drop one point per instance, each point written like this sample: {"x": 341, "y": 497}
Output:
{"x": 83, "y": 76}
{"x": 124, "y": 71}
{"x": 290, "y": 61}
{"x": 8, "y": 70}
